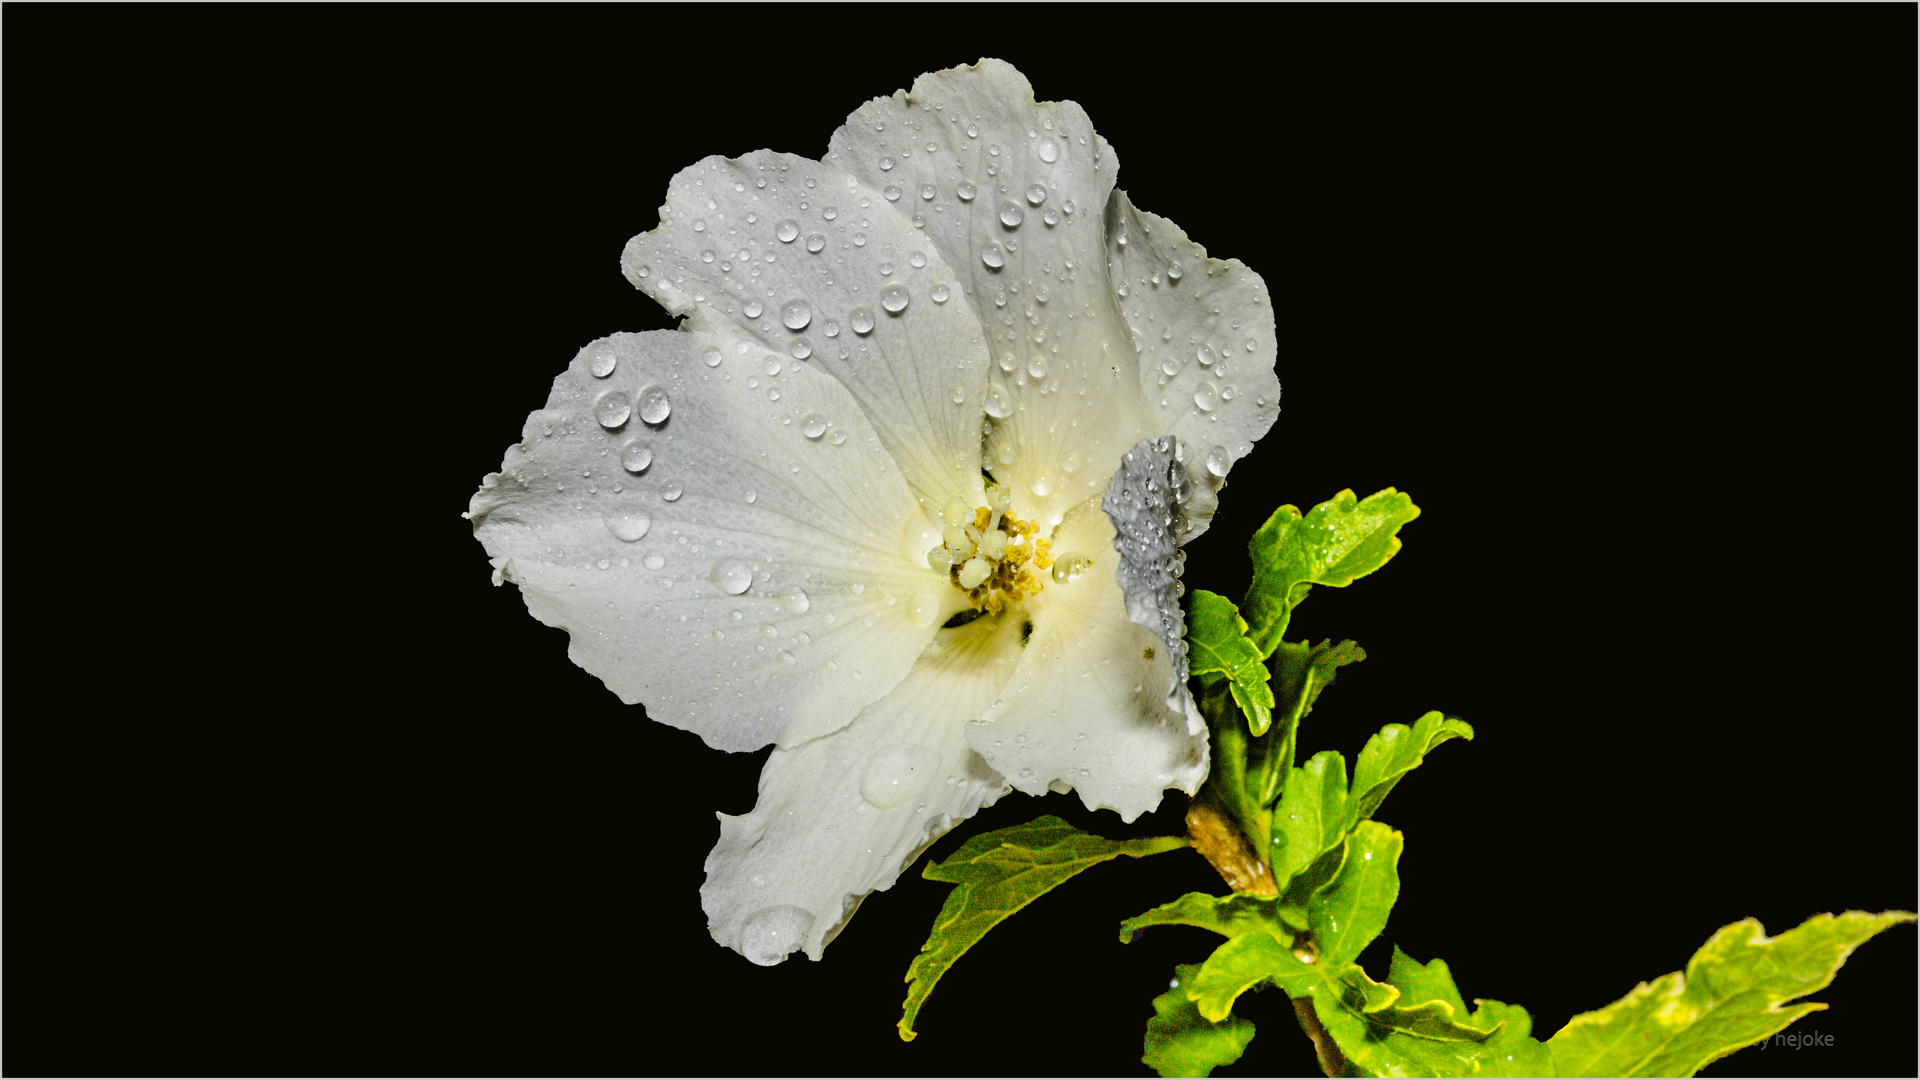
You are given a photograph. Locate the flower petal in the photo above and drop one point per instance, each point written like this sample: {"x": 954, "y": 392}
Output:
{"x": 839, "y": 816}
{"x": 1203, "y": 330}
{"x": 711, "y": 553}
{"x": 806, "y": 262}
{"x": 1099, "y": 703}
{"x": 1011, "y": 193}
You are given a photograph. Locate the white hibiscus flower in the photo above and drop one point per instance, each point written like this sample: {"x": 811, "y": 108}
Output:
{"x": 854, "y": 507}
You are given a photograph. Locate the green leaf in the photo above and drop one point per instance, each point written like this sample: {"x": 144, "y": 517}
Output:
{"x": 1312, "y": 815}
{"x": 998, "y": 873}
{"x": 1334, "y": 543}
{"x": 1351, "y": 910}
{"x": 1229, "y": 916}
{"x": 1244, "y": 963}
{"x": 1375, "y": 1049}
{"x": 1431, "y": 981}
{"x": 1302, "y": 670}
{"x": 1317, "y": 808}
{"x": 1181, "y": 1042}
{"x": 1731, "y": 996}
{"x": 1396, "y": 751}
{"x": 1220, "y": 650}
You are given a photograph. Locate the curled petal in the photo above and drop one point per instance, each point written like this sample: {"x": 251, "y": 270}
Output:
{"x": 746, "y": 579}
{"x": 839, "y": 816}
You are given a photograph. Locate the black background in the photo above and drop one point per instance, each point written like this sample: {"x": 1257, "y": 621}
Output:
{"x": 1623, "y": 297}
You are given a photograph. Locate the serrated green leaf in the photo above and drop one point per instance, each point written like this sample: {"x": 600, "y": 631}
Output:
{"x": 1376, "y": 1049}
{"x": 1346, "y": 915}
{"x": 998, "y": 873}
{"x": 1334, "y": 543}
{"x": 1297, "y": 893}
{"x": 1396, "y": 751}
{"x": 1242, "y": 964}
{"x": 1432, "y": 981}
{"x": 1219, "y": 649}
{"x": 1317, "y": 808}
{"x": 1732, "y": 994}
{"x": 1229, "y": 916}
{"x": 1312, "y": 815}
{"x": 1181, "y": 1042}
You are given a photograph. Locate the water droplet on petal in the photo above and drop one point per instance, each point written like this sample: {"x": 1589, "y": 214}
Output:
{"x": 813, "y": 425}
{"x": 926, "y": 192}
{"x": 892, "y": 192}
{"x": 801, "y": 349}
{"x": 1011, "y": 215}
{"x": 654, "y": 406}
{"x": 886, "y": 164}
{"x": 1037, "y": 367}
{"x": 711, "y": 355}
{"x": 796, "y": 314}
{"x": 1036, "y": 194}
{"x": 753, "y": 309}
{"x": 894, "y": 298}
{"x": 795, "y": 600}
{"x": 1049, "y": 151}
{"x": 861, "y": 319}
{"x": 771, "y": 933}
{"x": 1218, "y": 462}
{"x": 670, "y": 490}
{"x": 896, "y": 774}
{"x": 967, "y": 191}
{"x": 629, "y": 526}
{"x": 636, "y": 457}
{"x": 997, "y": 404}
{"x": 613, "y": 408}
{"x": 992, "y": 256}
{"x": 939, "y": 293}
{"x": 787, "y": 231}
{"x": 1206, "y": 355}
{"x": 815, "y": 242}
{"x": 1174, "y": 272}
{"x": 1206, "y": 397}
{"x": 732, "y": 576}
{"x": 602, "y": 364}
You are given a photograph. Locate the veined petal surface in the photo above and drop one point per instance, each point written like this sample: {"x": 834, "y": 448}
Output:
{"x": 839, "y": 816}
{"x": 810, "y": 264}
{"x": 746, "y": 580}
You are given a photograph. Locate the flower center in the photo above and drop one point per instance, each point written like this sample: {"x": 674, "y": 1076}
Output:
{"x": 985, "y": 552}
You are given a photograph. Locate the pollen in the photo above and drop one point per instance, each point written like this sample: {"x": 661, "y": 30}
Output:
{"x": 988, "y": 553}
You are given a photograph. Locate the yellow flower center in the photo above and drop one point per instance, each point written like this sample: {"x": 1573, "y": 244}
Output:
{"x": 985, "y": 552}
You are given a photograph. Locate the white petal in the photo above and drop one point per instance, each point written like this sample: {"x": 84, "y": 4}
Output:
{"x": 1031, "y": 247}
{"x": 804, "y": 260}
{"x": 1205, "y": 333}
{"x": 749, "y": 583}
{"x": 838, "y": 817}
{"x": 1096, "y": 704}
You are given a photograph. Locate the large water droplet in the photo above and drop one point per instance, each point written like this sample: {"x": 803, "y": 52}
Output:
{"x": 1037, "y": 194}
{"x": 1174, "y": 272}
{"x": 815, "y": 242}
{"x": 1037, "y": 366}
{"x": 796, "y": 314}
{"x": 800, "y": 349}
{"x": 892, "y": 192}
{"x": 670, "y": 490}
{"x": 654, "y": 405}
{"x": 711, "y": 354}
{"x": 997, "y": 404}
{"x": 939, "y": 292}
{"x": 1049, "y": 151}
{"x": 1206, "y": 397}
{"x": 894, "y": 298}
{"x": 992, "y": 256}
{"x": 862, "y": 319}
{"x": 1218, "y": 462}
{"x": 732, "y": 576}
{"x": 636, "y": 457}
{"x": 1011, "y": 215}
{"x": 602, "y": 364}
{"x": 967, "y": 191}
{"x": 629, "y": 525}
{"x": 813, "y": 425}
{"x": 787, "y": 231}
{"x": 795, "y": 600}
{"x": 896, "y": 774}
{"x": 1206, "y": 355}
{"x": 771, "y": 933}
{"x": 753, "y": 309}
{"x": 613, "y": 408}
